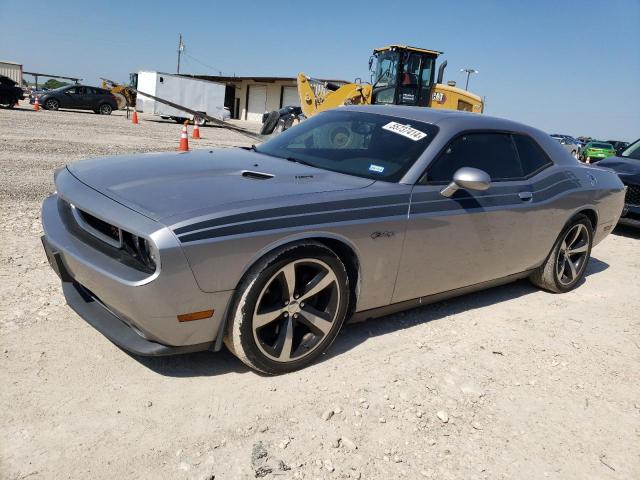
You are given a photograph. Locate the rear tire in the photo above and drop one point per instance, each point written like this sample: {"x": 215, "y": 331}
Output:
{"x": 565, "y": 266}
{"x": 288, "y": 308}
{"x": 105, "y": 109}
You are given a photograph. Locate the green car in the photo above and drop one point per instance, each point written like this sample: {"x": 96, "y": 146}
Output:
{"x": 594, "y": 151}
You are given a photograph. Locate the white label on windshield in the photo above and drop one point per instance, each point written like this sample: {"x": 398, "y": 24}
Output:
{"x": 405, "y": 130}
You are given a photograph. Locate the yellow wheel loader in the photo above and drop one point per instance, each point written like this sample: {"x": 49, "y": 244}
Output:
{"x": 402, "y": 75}
{"x": 125, "y": 95}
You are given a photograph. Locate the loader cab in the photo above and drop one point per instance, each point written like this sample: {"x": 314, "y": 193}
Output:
{"x": 402, "y": 75}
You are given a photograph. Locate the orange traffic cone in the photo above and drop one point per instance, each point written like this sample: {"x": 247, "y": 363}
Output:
{"x": 196, "y": 131}
{"x": 134, "y": 118}
{"x": 36, "y": 105}
{"x": 184, "y": 139}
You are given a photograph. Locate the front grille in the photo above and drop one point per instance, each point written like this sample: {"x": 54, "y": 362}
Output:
{"x": 100, "y": 229}
{"x": 633, "y": 195}
{"x": 129, "y": 249}
{"x": 103, "y": 227}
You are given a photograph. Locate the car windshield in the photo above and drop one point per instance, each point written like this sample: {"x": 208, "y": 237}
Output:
{"x": 633, "y": 151}
{"x": 368, "y": 145}
{"x": 605, "y": 146}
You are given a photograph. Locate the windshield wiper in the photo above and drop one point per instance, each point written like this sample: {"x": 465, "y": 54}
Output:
{"x": 301, "y": 162}
{"x": 252, "y": 147}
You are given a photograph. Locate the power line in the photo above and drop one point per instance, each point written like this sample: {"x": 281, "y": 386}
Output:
{"x": 210, "y": 67}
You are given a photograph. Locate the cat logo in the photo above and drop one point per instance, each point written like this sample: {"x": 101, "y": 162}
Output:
{"x": 439, "y": 97}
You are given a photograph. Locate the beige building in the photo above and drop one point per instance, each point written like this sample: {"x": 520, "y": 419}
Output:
{"x": 247, "y": 98}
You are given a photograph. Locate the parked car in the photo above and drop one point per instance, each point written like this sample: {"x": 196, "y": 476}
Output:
{"x": 618, "y": 146}
{"x": 10, "y": 92}
{"x": 627, "y": 166}
{"x": 595, "y": 151}
{"x": 34, "y": 93}
{"x": 78, "y": 97}
{"x": 357, "y": 212}
{"x": 569, "y": 143}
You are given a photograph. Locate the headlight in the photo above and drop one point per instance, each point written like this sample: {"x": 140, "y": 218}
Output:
{"x": 142, "y": 250}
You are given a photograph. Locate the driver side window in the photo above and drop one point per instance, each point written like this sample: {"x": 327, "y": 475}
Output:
{"x": 495, "y": 153}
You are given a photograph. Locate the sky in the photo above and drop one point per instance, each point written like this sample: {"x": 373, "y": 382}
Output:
{"x": 570, "y": 67}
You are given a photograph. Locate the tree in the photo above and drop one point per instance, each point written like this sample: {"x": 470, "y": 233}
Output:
{"x": 53, "y": 83}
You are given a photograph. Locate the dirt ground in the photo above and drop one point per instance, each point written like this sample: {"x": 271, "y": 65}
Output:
{"x": 509, "y": 383}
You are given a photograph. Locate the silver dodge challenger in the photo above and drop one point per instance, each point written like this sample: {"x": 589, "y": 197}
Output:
{"x": 355, "y": 213}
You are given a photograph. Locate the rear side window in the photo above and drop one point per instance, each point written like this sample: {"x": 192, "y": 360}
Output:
{"x": 532, "y": 158}
{"x": 494, "y": 153}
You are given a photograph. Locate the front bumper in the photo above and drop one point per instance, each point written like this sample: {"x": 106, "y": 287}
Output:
{"x": 135, "y": 310}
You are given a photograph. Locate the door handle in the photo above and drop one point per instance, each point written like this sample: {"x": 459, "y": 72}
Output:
{"x": 525, "y": 196}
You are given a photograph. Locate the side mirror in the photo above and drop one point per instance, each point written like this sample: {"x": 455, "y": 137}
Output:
{"x": 469, "y": 179}
{"x": 370, "y": 62}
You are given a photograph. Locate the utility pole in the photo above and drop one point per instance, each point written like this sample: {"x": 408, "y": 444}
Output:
{"x": 180, "y": 49}
{"x": 468, "y": 71}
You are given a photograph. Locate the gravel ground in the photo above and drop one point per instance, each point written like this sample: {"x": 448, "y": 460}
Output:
{"x": 509, "y": 383}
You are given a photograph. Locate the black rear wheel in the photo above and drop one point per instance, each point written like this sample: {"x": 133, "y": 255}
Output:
{"x": 567, "y": 262}
{"x": 105, "y": 109}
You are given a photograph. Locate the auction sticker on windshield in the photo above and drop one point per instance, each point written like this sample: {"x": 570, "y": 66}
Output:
{"x": 405, "y": 130}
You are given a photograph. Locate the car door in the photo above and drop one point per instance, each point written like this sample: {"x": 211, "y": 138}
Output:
{"x": 474, "y": 236}
{"x": 86, "y": 98}
{"x": 71, "y": 97}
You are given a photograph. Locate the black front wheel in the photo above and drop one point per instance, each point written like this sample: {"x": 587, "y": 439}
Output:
{"x": 289, "y": 308}
{"x": 52, "y": 104}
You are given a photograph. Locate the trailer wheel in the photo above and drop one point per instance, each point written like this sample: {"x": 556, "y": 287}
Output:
{"x": 199, "y": 120}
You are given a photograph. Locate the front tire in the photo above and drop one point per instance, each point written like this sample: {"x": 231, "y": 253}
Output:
{"x": 289, "y": 308}
{"x": 52, "y": 104}
{"x": 565, "y": 266}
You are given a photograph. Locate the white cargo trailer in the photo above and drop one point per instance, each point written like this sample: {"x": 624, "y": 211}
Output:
{"x": 12, "y": 70}
{"x": 199, "y": 95}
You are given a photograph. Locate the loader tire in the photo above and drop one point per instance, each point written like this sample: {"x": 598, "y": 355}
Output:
{"x": 270, "y": 123}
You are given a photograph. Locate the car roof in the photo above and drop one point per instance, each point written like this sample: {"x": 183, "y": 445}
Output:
{"x": 467, "y": 120}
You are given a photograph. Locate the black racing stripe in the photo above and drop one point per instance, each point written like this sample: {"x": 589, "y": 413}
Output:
{"x": 468, "y": 202}
{"x": 295, "y": 210}
{"x": 497, "y": 189}
{"x": 556, "y": 190}
{"x": 464, "y": 203}
{"x": 550, "y": 180}
{"x": 290, "y": 222}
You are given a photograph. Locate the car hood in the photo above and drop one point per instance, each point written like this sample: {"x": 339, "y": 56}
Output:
{"x": 627, "y": 169}
{"x": 162, "y": 185}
